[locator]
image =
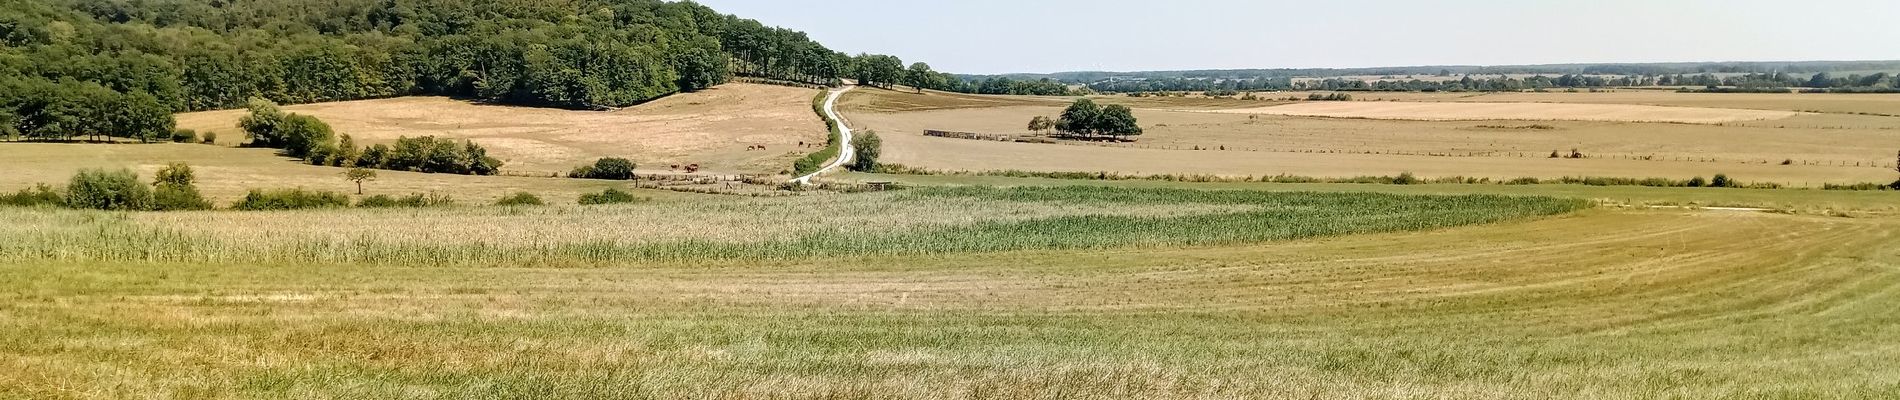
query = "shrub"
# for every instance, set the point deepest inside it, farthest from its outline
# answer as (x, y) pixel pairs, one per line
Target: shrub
(290, 199)
(866, 148)
(521, 199)
(211, 138)
(1721, 181)
(40, 195)
(1405, 178)
(1698, 182)
(605, 168)
(184, 136)
(108, 190)
(609, 196)
(1524, 181)
(410, 201)
(175, 189)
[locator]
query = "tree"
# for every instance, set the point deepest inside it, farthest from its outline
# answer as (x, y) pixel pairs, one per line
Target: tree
(700, 69)
(141, 116)
(175, 189)
(921, 77)
(879, 70)
(1080, 117)
(1041, 124)
(606, 168)
(359, 175)
(866, 149)
(108, 190)
(299, 134)
(1117, 120)
(260, 126)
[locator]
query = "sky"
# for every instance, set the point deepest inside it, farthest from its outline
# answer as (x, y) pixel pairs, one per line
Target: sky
(1010, 36)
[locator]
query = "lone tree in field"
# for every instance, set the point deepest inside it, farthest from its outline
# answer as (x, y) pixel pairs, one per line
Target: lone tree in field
(1086, 118)
(865, 150)
(1041, 124)
(359, 175)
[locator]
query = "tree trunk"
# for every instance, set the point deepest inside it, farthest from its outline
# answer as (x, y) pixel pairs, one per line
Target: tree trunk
(359, 188)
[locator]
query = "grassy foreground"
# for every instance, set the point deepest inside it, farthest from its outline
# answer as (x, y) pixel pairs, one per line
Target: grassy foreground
(920, 221)
(1604, 304)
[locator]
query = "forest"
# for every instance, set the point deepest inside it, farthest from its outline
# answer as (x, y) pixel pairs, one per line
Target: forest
(73, 69)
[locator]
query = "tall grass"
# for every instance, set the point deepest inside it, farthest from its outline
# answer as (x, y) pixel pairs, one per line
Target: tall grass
(1075, 218)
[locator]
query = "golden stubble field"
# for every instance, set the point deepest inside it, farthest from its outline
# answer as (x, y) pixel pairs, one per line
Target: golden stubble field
(1821, 148)
(713, 128)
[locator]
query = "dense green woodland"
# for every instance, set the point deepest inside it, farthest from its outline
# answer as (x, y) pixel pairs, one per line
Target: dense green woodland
(86, 68)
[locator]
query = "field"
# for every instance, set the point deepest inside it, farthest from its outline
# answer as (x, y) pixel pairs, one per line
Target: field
(1469, 111)
(713, 128)
(1603, 303)
(1187, 138)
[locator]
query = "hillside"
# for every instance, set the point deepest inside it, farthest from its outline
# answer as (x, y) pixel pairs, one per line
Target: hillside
(715, 128)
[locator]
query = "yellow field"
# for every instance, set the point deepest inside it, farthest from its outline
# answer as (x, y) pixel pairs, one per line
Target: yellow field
(1471, 111)
(1820, 148)
(712, 128)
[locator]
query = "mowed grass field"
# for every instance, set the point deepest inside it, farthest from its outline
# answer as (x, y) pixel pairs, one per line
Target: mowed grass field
(1820, 148)
(1604, 303)
(713, 128)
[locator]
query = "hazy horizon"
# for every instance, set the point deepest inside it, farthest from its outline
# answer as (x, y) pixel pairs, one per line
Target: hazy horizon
(1020, 37)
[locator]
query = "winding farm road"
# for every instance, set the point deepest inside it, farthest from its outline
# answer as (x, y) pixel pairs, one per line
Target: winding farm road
(844, 137)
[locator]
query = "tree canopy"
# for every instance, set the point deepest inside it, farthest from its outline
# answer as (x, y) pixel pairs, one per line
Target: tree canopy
(89, 68)
(1086, 118)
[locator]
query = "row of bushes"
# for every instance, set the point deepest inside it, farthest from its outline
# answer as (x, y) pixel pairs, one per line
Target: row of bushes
(606, 168)
(173, 190)
(191, 136)
(1719, 181)
(816, 160)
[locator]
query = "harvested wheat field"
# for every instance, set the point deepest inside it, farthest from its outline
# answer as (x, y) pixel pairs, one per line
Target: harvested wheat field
(1816, 148)
(1472, 111)
(713, 128)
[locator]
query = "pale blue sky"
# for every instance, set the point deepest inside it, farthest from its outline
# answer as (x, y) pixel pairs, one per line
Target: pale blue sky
(1001, 36)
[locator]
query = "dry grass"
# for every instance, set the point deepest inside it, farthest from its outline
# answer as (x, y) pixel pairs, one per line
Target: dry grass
(712, 128)
(1824, 147)
(225, 174)
(1472, 111)
(1829, 103)
(1606, 305)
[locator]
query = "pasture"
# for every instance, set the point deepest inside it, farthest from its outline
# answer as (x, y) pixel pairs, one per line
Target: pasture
(1604, 303)
(715, 128)
(1194, 139)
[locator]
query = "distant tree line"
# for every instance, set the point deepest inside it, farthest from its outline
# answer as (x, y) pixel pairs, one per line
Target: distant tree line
(1878, 82)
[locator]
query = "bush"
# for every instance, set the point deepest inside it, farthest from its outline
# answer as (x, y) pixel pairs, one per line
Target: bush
(175, 189)
(610, 196)
(211, 138)
(290, 199)
(40, 195)
(867, 148)
(606, 168)
(1697, 182)
(108, 190)
(521, 199)
(184, 136)
(1721, 181)
(410, 201)
(1405, 178)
